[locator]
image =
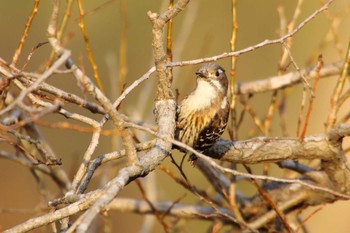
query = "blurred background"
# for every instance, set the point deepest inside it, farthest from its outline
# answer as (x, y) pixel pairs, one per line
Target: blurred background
(203, 29)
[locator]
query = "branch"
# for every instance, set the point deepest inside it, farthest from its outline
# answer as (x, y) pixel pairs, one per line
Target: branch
(256, 46)
(250, 87)
(165, 118)
(273, 149)
(168, 208)
(327, 148)
(288, 79)
(226, 146)
(64, 56)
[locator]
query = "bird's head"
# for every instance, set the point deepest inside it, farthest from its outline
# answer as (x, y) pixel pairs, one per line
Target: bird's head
(215, 75)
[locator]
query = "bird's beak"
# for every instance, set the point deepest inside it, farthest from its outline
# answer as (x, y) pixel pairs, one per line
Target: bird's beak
(200, 74)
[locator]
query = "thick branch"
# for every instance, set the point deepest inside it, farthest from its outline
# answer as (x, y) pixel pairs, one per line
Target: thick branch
(268, 149)
(327, 148)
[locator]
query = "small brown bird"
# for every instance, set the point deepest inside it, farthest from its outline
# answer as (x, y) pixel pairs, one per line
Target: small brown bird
(202, 116)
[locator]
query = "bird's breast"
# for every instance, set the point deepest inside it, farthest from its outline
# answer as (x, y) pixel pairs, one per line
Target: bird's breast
(192, 121)
(201, 98)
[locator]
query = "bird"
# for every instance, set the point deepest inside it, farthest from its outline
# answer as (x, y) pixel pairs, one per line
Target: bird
(201, 117)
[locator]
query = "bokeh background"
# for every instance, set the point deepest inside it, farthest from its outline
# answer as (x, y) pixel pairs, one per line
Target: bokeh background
(202, 30)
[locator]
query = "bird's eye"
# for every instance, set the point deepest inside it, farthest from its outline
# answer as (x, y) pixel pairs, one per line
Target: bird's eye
(218, 72)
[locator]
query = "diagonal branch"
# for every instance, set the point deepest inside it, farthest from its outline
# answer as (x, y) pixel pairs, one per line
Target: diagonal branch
(165, 118)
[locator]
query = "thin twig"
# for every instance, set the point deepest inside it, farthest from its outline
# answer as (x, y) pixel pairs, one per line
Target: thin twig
(248, 108)
(133, 86)
(169, 49)
(269, 114)
(153, 208)
(297, 67)
(123, 46)
(267, 217)
(233, 131)
(270, 202)
(88, 48)
(31, 54)
(61, 60)
(62, 28)
(307, 219)
(301, 112)
(338, 91)
(83, 168)
(318, 68)
(289, 27)
(25, 33)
